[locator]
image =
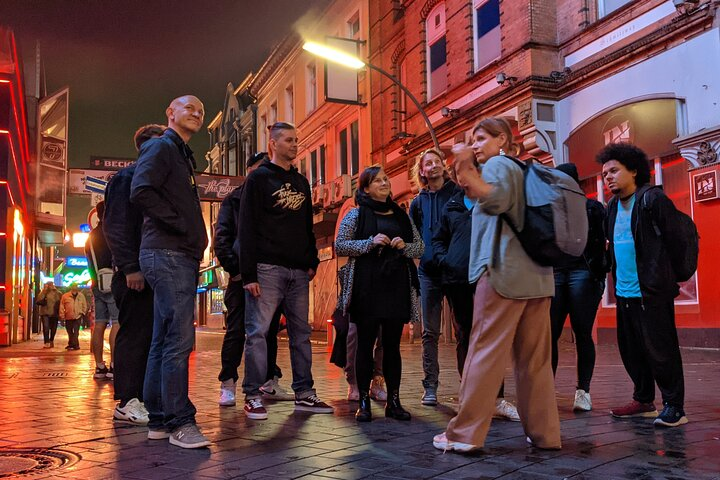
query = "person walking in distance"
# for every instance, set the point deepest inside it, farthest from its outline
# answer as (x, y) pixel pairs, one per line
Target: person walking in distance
(106, 311)
(278, 259)
(48, 302)
(227, 251)
(511, 316)
(173, 241)
(579, 285)
(73, 306)
(638, 225)
(133, 296)
(436, 189)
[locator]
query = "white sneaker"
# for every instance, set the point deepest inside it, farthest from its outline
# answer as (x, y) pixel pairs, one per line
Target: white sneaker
(583, 402)
(133, 412)
(273, 391)
(353, 393)
(506, 410)
(227, 393)
(377, 389)
(441, 442)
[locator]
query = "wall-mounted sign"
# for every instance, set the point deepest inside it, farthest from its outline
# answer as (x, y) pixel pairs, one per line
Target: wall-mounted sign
(75, 275)
(76, 262)
(705, 185)
(325, 254)
(110, 163)
(85, 182)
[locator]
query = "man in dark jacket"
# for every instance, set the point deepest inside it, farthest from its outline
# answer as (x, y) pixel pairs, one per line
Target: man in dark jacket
(436, 189)
(173, 241)
(278, 259)
(227, 251)
(579, 285)
(645, 285)
(106, 311)
(133, 296)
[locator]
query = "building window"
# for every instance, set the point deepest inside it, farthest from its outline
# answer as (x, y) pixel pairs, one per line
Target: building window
(273, 113)
(263, 133)
(606, 7)
(349, 149)
(487, 32)
(311, 86)
(303, 166)
(436, 52)
(315, 169)
(290, 104)
(353, 26)
(400, 112)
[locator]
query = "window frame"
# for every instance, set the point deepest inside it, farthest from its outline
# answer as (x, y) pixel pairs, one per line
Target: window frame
(348, 151)
(477, 5)
(434, 34)
(311, 86)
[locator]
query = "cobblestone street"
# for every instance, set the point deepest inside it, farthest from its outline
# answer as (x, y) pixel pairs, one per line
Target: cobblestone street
(56, 421)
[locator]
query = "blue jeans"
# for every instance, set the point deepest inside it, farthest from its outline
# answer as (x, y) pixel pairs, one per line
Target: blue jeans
(288, 289)
(431, 297)
(173, 277)
(577, 294)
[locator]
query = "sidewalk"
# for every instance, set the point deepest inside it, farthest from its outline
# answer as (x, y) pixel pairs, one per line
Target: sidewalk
(56, 420)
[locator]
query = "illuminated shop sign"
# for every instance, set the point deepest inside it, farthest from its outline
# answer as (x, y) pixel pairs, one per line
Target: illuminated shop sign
(76, 261)
(80, 276)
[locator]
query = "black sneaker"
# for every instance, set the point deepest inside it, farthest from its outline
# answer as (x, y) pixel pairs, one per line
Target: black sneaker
(312, 404)
(101, 372)
(671, 416)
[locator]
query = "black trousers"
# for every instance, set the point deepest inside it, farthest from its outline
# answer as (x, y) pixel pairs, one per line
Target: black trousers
(73, 330)
(460, 297)
(234, 340)
(648, 344)
(390, 335)
(132, 343)
(49, 327)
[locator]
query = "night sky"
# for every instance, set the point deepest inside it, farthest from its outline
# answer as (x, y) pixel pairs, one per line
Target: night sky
(124, 60)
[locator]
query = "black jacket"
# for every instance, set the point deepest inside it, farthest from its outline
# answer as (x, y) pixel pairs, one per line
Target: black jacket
(425, 212)
(595, 257)
(101, 249)
(164, 189)
(451, 241)
(275, 224)
(122, 223)
(652, 206)
(226, 243)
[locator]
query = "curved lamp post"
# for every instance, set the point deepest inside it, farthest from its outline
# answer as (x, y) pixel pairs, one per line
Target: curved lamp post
(351, 61)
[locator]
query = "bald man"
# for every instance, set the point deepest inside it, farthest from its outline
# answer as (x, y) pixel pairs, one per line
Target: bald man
(173, 241)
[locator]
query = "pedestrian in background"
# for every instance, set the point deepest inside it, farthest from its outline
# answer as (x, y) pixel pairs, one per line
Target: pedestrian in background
(579, 285)
(48, 302)
(105, 309)
(73, 307)
(381, 241)
(511, 316)
(133, 296)
(451, 247)
(639, 228)
(436, 189)
(173, 243)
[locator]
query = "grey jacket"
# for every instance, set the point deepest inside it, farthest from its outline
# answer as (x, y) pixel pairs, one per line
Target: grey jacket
(494, 248)
(347, 246)
(48, 302)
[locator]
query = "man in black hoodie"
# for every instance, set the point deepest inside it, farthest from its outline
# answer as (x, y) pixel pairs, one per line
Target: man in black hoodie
(173, 242)
(436, 189)
(645, 285)
(278, 258)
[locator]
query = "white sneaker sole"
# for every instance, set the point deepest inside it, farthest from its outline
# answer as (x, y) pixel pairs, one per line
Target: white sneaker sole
(131, 420)
(661, 423)
(256, 416)
(303, 408)
(201, 444)
(227, 403)
(158, 435)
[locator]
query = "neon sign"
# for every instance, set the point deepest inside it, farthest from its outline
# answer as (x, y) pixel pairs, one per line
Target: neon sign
(82, 278)
(76, 261)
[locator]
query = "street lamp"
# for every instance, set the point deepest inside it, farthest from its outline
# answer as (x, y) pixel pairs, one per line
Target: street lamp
(351, 61)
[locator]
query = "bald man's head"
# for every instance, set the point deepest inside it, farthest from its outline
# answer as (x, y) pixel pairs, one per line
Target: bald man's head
(185, 115)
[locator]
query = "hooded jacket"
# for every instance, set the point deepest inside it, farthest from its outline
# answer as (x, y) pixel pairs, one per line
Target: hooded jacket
(275, 224)
(226, 243)
(425, 212)
(655, 272)
(451, 241)
(123, 222)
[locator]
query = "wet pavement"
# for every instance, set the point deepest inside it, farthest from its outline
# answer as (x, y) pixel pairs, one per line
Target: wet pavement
(56, 422)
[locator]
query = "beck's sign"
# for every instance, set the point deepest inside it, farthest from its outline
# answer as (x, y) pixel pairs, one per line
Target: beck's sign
(110, 163)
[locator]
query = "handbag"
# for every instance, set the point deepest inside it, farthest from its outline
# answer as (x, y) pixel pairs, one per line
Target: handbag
(104, 275)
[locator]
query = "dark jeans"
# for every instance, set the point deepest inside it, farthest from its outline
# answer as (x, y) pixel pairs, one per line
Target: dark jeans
(234, 339)
(390, 335)
(648, 344)
(461, 299)
(73, 330)
(173, 277)
(578, 294)
(286, 289)
(132, 343)
(49, 327)
(431, 296)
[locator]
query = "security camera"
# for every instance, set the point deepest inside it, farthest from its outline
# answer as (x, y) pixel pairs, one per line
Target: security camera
(502, 77)
(448, 112)
(686, 6)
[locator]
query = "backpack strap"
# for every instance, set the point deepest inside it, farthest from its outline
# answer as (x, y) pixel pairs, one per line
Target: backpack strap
(504, 216)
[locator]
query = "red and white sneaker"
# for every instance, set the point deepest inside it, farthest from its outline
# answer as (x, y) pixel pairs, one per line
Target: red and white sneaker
(636, 409)
(254, 409)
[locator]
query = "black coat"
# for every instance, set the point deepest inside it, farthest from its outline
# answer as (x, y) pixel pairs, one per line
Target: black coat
(451, 241)
(655, 272)
(122, 223)
(226, 243)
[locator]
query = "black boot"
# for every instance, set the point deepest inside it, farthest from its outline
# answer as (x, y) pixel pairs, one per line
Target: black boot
(363, 413)
(393, 409)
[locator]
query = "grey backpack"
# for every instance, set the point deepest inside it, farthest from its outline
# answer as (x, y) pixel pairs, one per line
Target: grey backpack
(556, 223)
